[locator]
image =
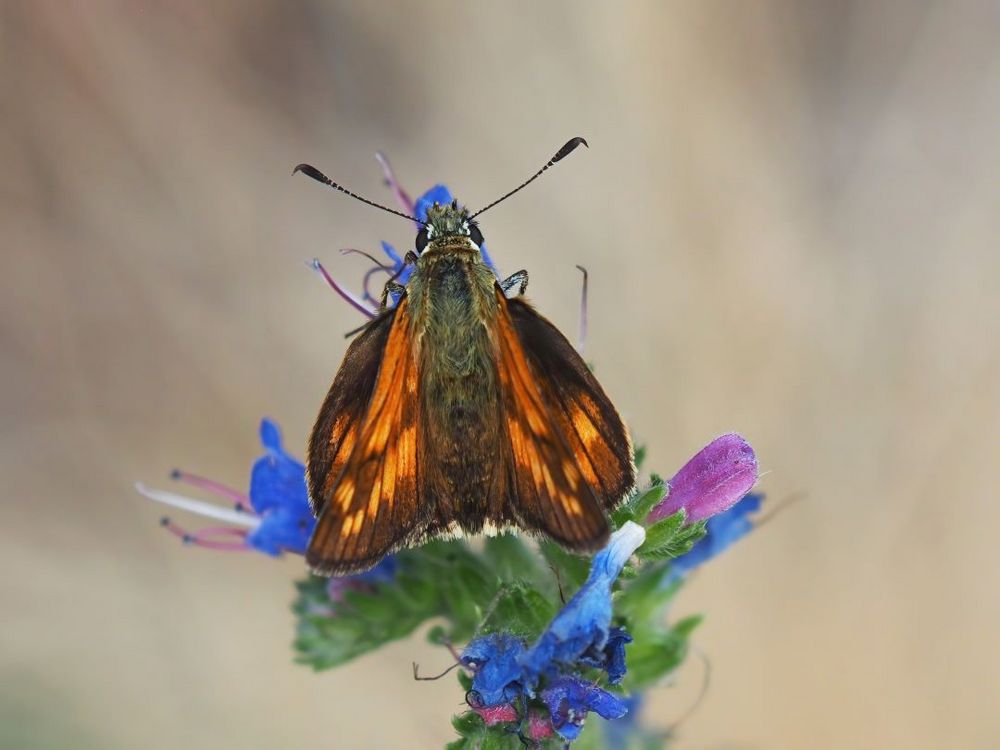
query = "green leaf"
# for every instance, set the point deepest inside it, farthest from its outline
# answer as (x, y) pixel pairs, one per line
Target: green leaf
(656, 652)
(638, 505)
(475, 735)
(686, 539)
(648, 500)
(440, 579)
(670, 537)
(639, 456)
(645, 595)
(511, 559)
(659, 535)
(571, 570)
(519, 609)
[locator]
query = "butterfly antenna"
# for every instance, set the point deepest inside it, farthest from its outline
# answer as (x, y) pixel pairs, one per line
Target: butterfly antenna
(311, 171)
(560, 155)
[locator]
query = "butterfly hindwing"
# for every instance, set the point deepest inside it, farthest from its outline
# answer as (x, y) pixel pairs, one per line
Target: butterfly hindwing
(363, 476)
(554, 412)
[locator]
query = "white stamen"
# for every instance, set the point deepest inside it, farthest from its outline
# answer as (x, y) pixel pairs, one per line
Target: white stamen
(200, 507)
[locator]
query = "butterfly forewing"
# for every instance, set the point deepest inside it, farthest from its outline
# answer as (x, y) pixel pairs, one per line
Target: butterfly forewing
(586, 418)
(336, 430)
(569, 453)
(363, 452)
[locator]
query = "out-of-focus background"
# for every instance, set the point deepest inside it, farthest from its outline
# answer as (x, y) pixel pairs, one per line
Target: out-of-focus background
(790, 216)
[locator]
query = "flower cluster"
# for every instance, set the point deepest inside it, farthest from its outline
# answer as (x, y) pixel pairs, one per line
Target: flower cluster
(532, 672)
(504, 668)
(550, 686)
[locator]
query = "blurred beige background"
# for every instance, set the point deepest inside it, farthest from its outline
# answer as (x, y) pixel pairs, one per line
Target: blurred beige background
(790, 216)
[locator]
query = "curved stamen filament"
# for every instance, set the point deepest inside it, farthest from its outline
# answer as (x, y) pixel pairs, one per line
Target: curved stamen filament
(402, 197)
(240, 499)
(582, 340)
(206, 537)
(351, 299)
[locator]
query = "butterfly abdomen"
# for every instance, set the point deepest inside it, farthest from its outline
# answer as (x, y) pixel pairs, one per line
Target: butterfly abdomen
(453, 301)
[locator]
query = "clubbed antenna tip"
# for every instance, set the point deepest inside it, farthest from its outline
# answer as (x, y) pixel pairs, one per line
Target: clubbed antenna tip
(561, 154)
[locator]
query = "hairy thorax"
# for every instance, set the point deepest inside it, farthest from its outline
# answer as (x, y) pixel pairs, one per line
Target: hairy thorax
(453, 304)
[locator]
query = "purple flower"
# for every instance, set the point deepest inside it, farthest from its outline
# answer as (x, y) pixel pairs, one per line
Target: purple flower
(711, 482)
(570, 699)
(582, 627)
(721, 531)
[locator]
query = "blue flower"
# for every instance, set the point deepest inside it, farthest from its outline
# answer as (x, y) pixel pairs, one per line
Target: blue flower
(279, 496)
(579, 636)
(582, 627)
(721, 531)
(611, 658)
(437, 194)
(570, 699)
(496, 672)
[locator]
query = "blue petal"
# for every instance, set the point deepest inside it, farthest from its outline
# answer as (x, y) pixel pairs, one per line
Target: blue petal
(612, 657)
(396, 258)
(282, 530)
(437, 194)
(721, 531)
(583, 623)
(496, 673)
(570, 699)
(279, 496)
(270, 434)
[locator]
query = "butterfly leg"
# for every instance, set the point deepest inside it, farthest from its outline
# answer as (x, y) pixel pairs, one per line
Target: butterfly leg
(391, 287)
(394, 287)
(519, 279)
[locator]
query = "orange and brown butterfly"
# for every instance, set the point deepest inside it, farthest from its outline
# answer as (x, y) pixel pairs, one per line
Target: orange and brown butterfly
(460, 408)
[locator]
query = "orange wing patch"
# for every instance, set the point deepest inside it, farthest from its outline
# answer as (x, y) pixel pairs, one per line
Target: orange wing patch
(550, 490)
(373, 500)
(583, 415)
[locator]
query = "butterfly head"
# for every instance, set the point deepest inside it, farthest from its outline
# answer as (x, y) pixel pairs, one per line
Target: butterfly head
(448, 224)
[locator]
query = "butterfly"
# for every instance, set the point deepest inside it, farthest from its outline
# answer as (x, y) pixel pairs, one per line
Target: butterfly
(460, 409)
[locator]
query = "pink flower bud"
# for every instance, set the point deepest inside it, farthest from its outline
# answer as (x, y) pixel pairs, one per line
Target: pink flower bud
(503, 713)
(713, 480)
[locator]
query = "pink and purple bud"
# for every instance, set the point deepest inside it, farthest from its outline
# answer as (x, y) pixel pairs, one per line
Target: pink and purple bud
(714, 480)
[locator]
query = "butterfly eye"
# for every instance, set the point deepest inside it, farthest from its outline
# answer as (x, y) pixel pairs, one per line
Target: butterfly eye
(421, 240)
(475, 235)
